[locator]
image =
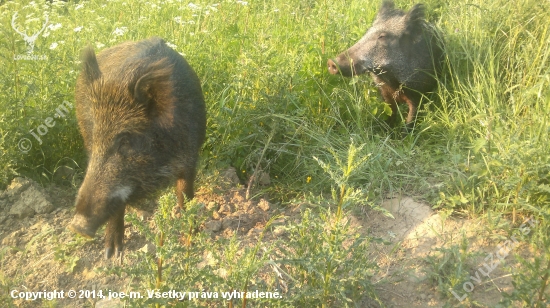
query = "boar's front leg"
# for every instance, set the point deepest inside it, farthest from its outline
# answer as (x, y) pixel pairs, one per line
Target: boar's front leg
(114, 234)
(388, 93)
(184, 187)
(411, 116)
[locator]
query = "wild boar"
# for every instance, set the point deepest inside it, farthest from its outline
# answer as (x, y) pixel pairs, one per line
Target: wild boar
(141, 113)
(402, 54)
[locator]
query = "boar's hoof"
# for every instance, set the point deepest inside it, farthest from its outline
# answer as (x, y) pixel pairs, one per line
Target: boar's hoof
(109, 253)
(82, 231)
(332, 67)
(407, 129)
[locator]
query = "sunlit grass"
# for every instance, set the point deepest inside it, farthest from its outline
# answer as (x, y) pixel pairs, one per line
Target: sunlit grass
(481, 143)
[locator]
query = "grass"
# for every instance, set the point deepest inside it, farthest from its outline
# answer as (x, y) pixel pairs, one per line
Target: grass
(480, 146)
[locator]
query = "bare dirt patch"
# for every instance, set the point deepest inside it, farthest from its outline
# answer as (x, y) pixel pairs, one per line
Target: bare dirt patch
(40, 254)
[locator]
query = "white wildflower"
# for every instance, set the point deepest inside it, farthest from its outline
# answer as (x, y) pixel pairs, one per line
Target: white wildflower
(193, 6)
(242, 3)
(78, 7)
(59, 3)
(54, 27)
(78, 29)
(99, 45)
(120, 31)
(53, 45)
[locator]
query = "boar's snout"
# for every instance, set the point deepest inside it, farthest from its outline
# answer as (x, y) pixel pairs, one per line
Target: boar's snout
(342, 65)
(82, 226)
(332, 67)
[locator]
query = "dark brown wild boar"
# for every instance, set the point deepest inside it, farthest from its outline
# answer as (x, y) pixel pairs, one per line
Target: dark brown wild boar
(402, 55)
(141, 112)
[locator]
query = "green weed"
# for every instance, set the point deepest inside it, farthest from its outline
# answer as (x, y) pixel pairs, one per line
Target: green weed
(448, 268)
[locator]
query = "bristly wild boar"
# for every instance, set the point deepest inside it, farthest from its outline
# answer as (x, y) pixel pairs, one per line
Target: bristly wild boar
(141, 112)
(401, 53)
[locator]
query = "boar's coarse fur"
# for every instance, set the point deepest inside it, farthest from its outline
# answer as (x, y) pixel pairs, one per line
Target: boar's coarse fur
(401, 53)
(141, 112)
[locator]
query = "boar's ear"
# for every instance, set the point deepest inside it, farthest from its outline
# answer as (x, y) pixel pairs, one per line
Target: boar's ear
(153, 89)
(386, 9)
(90, 68)
(414, 19)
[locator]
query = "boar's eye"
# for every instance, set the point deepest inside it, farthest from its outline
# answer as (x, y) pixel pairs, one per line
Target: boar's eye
(382, 36)
(129, 144)
(124, 144)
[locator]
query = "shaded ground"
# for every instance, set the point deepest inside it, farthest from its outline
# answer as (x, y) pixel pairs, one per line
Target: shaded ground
(40, 254)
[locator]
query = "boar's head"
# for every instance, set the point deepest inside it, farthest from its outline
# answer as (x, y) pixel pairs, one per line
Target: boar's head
(388, 46)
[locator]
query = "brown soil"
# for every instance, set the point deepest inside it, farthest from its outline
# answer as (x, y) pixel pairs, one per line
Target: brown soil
(34, 246)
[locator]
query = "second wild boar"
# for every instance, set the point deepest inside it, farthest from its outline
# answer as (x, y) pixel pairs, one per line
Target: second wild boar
(401, 53)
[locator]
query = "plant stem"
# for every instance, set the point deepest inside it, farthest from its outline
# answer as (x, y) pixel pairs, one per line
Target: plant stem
(341, 201)
(159, 261)
(159, 264)
(188, 246)
(544, 282)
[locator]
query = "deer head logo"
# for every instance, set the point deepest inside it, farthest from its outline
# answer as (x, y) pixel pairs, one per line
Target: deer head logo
(28, 39)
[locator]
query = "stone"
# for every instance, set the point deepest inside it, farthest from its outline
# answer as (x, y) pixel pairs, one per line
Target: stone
(149, 249)
(16, 186)
(212, 206)
(264, 205)
(230, 177)
(264, 179)
(224, 208)
(32, 200)
(213, 226)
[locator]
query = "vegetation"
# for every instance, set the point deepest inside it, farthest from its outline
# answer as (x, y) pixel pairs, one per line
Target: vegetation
(479, 149)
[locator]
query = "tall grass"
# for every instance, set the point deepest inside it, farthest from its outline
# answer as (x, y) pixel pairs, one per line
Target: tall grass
(263, 71)
(500, 74)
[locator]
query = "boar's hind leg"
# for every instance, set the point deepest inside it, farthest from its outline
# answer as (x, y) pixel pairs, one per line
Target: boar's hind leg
(184, 187)
(114, 234)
